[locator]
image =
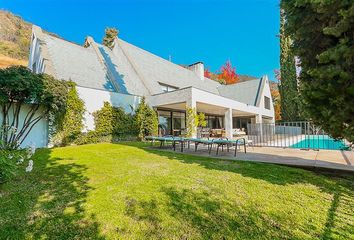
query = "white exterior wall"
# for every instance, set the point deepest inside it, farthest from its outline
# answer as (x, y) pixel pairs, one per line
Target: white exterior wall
(266, 93)
(39, 133)
(94, 100)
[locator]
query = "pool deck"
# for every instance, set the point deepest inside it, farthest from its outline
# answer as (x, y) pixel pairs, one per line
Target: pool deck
(328, 159)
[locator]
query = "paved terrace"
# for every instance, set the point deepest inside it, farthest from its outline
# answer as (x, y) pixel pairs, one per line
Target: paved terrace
(329, 159)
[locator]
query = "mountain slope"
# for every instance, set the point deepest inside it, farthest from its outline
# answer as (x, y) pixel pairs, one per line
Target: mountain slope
(15, 35)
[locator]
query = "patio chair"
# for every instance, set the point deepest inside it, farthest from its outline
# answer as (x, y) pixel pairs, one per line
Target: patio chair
(229, 143)
(197, 141)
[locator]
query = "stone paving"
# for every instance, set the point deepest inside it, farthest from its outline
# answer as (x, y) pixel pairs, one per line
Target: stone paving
(330, 159)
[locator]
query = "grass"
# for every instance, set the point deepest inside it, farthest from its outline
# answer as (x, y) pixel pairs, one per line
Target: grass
(6, 61)
(126, 191)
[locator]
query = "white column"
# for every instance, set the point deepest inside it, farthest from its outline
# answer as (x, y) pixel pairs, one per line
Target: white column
(191, 103)
(259, 120)
(228, 123)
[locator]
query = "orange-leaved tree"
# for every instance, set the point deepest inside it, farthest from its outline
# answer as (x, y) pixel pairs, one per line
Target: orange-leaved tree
(227, 73)
(207, 73)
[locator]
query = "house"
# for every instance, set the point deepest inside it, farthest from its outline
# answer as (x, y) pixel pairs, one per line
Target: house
(126, 73)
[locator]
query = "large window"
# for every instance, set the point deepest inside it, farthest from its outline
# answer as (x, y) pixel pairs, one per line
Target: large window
(214, 122)
(178, 122)
(266, 102)
(167, 88)
(240, 122)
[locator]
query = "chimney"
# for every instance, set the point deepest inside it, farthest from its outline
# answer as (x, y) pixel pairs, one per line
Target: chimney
(197, 68)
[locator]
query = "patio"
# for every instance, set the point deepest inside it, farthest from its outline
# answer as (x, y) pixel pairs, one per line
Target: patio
(328, 159)
(223, 115)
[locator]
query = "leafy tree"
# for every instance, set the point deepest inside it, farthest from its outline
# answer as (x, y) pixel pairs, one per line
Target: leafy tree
(207, 73)
(288, 85)
(35, 95)
(70, 123)
(322, 34)
(110, 35)
(146, 120)
(228, 73)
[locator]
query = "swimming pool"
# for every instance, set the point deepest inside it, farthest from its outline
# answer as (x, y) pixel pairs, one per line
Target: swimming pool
(320, 142)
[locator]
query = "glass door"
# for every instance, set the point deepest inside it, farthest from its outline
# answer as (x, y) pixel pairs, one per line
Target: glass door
(164, 123)
(178, 123)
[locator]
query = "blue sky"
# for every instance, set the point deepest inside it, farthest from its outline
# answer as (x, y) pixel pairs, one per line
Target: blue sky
(211, 31)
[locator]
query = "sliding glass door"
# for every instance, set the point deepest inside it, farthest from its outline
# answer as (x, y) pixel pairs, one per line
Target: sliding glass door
(164, 123)
(171, 122)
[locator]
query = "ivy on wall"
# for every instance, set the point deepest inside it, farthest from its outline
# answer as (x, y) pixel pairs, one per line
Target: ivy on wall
(194, 120)
(36, 96)
(70, 124)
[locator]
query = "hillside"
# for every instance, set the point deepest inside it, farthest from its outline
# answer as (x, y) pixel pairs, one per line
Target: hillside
(15, 35)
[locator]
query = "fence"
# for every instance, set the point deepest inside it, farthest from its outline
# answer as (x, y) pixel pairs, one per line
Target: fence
(304, 135)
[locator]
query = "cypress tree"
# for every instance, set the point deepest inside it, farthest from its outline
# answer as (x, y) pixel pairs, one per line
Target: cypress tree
(323, 39)
(288, 87)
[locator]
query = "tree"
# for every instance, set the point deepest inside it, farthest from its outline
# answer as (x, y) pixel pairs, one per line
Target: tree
(322, 34)
(110, 35)
(288, 86)
(207, 73)
(228, 74)
(274, 90)
(146, 120)
(37, 96)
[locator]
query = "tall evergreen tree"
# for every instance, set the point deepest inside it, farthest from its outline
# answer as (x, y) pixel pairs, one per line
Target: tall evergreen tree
(288, 87)
(323, 35)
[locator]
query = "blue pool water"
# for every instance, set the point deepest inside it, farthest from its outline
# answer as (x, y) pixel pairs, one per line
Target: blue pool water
(320, 142)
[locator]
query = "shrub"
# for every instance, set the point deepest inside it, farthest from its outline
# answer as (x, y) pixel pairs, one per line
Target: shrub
(146, 120)
(7, 167)
(92, 137)
(11, 161)
(114, 121)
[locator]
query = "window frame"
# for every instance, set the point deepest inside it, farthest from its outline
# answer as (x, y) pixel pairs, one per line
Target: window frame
(169, 88)
(266, 102)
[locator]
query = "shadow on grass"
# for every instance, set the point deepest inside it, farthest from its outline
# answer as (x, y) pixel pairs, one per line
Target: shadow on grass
(201, 217)
(191, 207)
(47, 203)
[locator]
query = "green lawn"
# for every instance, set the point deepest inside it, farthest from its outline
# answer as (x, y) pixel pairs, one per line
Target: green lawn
(125, 191)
